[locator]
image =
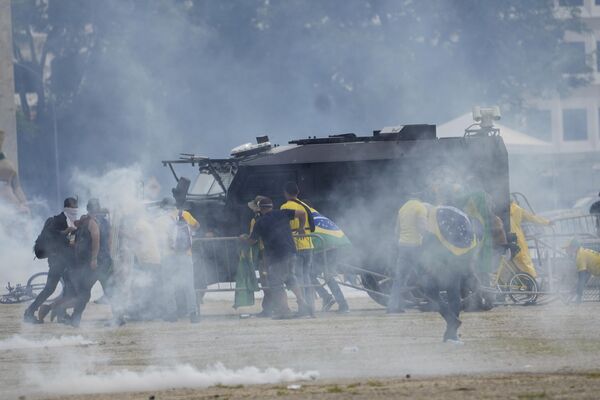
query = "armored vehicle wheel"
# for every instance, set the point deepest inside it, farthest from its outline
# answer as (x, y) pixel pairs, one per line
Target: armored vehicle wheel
(378, 287)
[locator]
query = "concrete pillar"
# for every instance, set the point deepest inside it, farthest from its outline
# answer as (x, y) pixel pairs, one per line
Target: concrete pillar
(8, 122)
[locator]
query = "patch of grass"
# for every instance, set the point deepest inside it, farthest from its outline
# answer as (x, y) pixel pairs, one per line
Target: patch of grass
(531, 396)
(593, 375)
(353, 385)
(282, 392)
(335, 389)
(374, 383)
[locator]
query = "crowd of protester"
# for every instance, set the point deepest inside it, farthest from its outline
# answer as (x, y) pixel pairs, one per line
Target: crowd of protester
(143, 259)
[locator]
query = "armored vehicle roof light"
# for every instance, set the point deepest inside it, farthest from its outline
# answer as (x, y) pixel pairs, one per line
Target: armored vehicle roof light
(248, 149)
(486, 116)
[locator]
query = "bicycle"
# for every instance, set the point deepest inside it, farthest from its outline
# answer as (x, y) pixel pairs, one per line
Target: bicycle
(519, 286)
(29, 291)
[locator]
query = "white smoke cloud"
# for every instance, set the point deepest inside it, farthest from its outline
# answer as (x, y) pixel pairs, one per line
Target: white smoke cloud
(160, 378)
(18, 232)
(120, 188)
(18, 342)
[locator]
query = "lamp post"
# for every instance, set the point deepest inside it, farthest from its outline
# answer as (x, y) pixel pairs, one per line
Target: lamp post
(39, 76)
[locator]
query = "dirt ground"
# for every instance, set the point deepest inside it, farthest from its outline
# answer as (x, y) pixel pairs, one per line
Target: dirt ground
(550, 351)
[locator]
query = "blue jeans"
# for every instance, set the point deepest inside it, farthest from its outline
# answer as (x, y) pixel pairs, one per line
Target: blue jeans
(406, 259)
(303, 272)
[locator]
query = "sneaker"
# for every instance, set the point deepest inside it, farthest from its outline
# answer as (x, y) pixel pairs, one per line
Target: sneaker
(328, 303)
(194, 318)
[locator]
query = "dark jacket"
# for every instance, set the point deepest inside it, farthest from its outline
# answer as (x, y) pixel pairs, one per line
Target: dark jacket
(61, 254)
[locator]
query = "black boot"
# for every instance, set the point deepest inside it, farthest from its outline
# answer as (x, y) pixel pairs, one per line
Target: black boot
(451, 334)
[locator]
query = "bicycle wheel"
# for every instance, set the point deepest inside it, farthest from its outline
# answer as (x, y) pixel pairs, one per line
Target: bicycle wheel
(523, 289)
(37, 282)
(9, 298)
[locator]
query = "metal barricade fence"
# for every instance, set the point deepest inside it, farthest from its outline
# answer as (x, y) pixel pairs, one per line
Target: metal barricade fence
(583, 226)
(216, 261)
(547, 246)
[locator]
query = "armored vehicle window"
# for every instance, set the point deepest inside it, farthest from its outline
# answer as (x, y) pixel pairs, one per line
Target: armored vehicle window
(207, 185)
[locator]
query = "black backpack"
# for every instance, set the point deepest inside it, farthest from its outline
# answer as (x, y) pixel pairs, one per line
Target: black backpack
(43, 243)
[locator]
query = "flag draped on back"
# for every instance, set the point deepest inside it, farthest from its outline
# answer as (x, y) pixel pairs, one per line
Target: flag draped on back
(332, 235)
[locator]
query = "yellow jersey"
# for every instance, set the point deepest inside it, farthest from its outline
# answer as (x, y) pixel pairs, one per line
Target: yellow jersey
(588, 260)
(410, 223)
(304, 243)
(191, 221)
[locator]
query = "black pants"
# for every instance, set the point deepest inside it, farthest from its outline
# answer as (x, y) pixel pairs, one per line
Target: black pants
(267, 303)
(54, 276)
(83, 279)
(449, 308)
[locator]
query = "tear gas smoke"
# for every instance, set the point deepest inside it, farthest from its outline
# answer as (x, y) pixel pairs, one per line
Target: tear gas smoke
(19, 342)
(17, 235)
(159, 378)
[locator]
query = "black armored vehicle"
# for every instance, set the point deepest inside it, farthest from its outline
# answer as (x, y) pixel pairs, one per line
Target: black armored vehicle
(359, 182)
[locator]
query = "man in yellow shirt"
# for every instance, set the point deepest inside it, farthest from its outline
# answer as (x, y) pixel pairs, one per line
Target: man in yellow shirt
(411, 224)
(179, 225)
(587, 262)
(304, 245)
(517, 216)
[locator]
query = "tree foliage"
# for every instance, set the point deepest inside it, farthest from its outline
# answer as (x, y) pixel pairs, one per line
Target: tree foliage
(133, 79)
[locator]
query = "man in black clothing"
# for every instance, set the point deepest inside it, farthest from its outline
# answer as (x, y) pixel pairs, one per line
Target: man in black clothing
(273, 228)
(60, 256)
(84, 274)
(104, 271)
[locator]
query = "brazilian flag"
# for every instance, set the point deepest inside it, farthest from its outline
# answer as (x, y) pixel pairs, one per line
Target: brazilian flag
(333, 237)
(245, 278)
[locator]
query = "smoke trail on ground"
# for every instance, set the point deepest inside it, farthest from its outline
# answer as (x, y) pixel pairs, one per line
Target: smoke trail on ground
(158, 378)
(18, 342)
